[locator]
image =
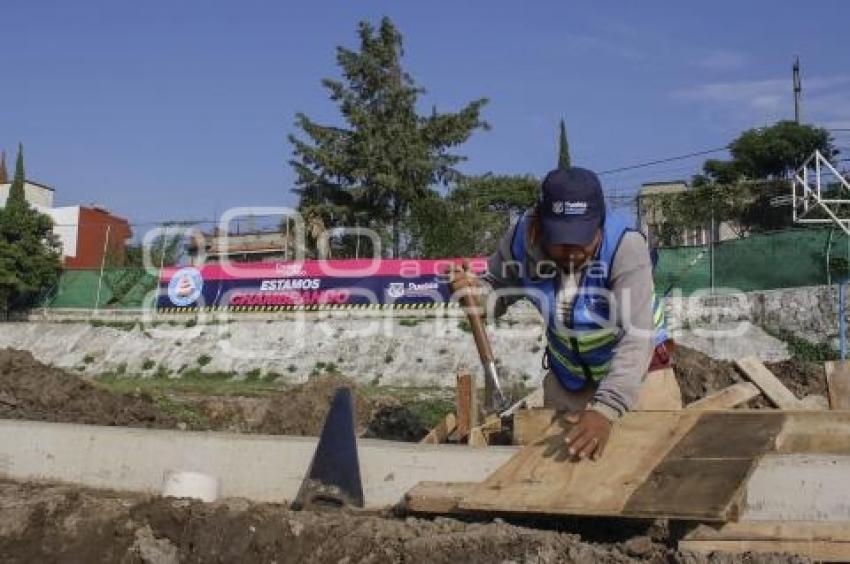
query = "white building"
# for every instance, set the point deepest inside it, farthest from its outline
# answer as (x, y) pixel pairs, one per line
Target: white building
(36, 194)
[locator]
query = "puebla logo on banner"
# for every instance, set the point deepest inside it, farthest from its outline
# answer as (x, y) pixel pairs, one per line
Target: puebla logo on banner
(185, 287)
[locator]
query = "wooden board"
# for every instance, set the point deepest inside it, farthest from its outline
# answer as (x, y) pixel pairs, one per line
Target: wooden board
(686, 465)
(660, 392)
(773, 530)
(775, 390)
(530, 424)
(838, 382)
(727, 398)
(441, 432)
(815, 432)
(821, 551)
(436, 498)
(540, 479)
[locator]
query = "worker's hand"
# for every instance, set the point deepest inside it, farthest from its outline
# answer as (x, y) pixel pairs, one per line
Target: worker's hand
(589, 435)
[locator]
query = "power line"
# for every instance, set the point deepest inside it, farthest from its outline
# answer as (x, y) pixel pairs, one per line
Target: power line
(662, 161)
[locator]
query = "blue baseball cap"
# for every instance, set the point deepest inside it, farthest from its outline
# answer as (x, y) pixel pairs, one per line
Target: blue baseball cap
(572, 207)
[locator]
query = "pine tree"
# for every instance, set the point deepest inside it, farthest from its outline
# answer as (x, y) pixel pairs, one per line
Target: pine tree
(386, 156)
(29, 252)
(563, 148)
(4, 174)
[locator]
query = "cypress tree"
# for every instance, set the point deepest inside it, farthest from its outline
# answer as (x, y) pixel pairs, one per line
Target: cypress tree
(563, 148)
(4, 174)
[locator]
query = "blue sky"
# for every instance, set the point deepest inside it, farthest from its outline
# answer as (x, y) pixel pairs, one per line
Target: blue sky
(180, 109)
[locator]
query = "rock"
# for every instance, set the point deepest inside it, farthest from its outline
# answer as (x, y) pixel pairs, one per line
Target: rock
(638, 546)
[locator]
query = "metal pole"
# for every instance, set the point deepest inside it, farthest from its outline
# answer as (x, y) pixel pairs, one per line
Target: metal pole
(102, 264)
(711, 245)
(842, 329)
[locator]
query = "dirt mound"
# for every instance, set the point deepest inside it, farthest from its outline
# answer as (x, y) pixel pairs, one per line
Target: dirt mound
(301, 409)
(50, 523)
(699, 375)
(393, 421)
(32, 390)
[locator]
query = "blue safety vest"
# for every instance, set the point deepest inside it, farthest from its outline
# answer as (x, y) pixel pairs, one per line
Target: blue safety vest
(580, 349)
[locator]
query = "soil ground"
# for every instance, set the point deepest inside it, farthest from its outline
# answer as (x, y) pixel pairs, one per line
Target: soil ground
(61, 523)
(32, 390)
(699, 375)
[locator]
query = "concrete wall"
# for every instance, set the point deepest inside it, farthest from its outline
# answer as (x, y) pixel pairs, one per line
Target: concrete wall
(257, 467)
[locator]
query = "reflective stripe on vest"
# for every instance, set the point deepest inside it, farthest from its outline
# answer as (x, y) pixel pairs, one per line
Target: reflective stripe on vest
(585, 349)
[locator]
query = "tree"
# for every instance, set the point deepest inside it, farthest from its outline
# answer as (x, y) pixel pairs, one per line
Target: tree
(742, 191)
(29, 252)
(385, 156)
(4, 174)
(471, 219)
(769, 152)
(563, 148)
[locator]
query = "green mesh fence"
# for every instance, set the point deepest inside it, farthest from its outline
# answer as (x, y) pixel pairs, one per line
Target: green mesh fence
(122, 288)
(782, 259)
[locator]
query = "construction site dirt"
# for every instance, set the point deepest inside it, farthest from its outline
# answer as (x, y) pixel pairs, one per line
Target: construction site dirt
(34, 391)
(60, 523)
(47, 522)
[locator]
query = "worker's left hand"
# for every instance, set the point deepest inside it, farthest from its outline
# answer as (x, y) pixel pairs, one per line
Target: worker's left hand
(589, 435)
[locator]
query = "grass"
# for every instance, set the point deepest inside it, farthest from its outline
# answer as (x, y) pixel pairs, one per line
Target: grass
(430, 404)
(120, 325)
(802, 349)
(192, 415)
(191, 381)
(410, 321)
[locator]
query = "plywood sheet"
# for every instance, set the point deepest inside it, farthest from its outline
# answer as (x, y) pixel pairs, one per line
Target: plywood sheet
(687, 464)
(541, 479)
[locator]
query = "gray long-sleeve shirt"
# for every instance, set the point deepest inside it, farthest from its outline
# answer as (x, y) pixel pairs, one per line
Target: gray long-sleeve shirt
(632, 296)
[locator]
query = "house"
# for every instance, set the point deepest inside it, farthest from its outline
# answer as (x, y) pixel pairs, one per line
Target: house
(85, 233)
(652, 222)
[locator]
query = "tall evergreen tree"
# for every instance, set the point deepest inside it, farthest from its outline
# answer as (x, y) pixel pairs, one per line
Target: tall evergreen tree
(563, 148)
(29, 252)
(4, 174)
(386, 155)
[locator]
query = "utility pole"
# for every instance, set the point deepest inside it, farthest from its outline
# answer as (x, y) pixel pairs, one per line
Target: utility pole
(798, 89)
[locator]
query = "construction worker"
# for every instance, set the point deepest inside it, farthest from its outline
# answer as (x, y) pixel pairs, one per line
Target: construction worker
(588, 272)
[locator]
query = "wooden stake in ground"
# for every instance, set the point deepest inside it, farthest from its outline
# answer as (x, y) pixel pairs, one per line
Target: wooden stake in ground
(775, 390)
(838, 382)
(467, 404)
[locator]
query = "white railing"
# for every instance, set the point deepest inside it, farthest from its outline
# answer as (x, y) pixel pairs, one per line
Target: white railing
(807, 193)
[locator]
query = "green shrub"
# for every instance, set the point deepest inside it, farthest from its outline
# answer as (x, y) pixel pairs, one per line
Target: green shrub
(204, 359)
(148, 364)
(88, 359)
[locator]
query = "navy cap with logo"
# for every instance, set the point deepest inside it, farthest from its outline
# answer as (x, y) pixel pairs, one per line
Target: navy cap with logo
(572, 206)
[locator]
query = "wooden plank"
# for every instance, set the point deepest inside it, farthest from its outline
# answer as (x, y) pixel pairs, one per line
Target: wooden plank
(540, 479)
(703, 476)
(821, 551)
(727, 398)
(477, 437)
(530, 424)
(688, 465)
(441, 432)
(436, 498)
(660, 392)
(838, 383)
(759, 375)
(773, 530)
(815, 432)
(466, 405)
